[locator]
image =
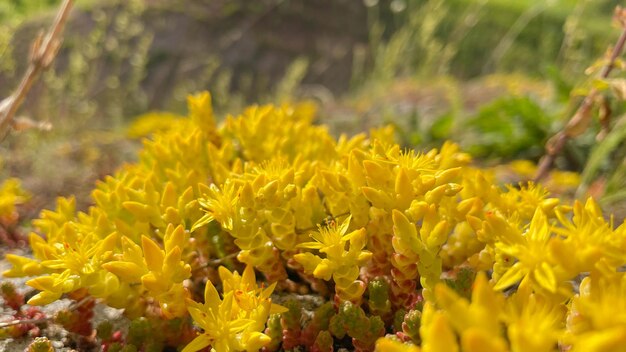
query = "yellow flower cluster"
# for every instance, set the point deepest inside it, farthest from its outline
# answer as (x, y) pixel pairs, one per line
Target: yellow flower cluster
(287, 199)
(154, 201)
(548, 310)
(133, 245)
(160, 272)
(234, 322)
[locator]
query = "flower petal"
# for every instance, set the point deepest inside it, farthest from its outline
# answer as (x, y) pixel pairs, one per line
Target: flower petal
(511, 277)
(545, 277)
(197, 344)
(153, 254)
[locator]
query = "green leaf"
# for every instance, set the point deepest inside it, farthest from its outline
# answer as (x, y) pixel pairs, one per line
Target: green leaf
(442, 127)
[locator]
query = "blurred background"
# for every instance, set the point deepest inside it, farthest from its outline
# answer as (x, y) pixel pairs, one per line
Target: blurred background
(497, 76)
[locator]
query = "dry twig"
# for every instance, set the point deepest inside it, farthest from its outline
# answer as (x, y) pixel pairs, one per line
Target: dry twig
(581, 119)
(71, 308)
(44, 50)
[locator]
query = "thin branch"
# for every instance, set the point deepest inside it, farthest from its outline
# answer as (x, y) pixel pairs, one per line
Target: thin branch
(581, 119)
(25, 321)
(44, 50)
(72, 307)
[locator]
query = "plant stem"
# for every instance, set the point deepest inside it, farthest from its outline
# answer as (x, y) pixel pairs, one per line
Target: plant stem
(579, 122)
(72, 307)
(44, 50)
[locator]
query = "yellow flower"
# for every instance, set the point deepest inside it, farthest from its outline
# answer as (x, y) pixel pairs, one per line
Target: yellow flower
(248, 295)
(524, 168)
(11, 194)
(476, 322)
(436, 332)
(222, 330)
(161, 272)
(564, 179)
(597, 317)
(589, 236)
(72, 265)
(522, 201)
(52, 287)
(332, 239)
(220, 205)
(531, 250)
(340, 263)
(234, 324)
(482, 312)
(146, 124)
(534, 322)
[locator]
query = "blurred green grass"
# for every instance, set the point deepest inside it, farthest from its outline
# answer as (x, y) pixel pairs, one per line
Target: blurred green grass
(564, 33)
